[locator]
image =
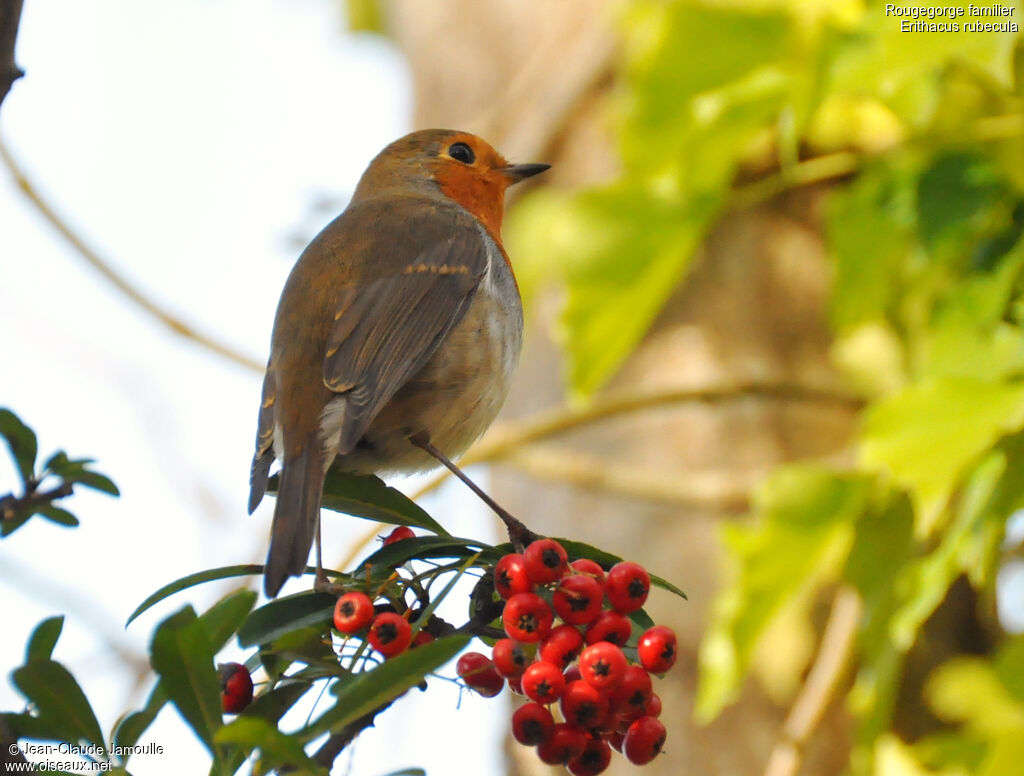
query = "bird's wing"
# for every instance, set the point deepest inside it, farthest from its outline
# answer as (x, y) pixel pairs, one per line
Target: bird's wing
(264, 456)
(385, 331)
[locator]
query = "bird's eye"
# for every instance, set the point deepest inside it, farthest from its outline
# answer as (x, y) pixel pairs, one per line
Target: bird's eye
(461, 152)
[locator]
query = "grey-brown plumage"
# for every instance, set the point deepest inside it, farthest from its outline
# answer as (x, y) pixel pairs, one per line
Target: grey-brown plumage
(401, 317)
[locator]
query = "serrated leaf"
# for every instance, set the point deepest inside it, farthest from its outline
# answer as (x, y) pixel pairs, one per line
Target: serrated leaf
(277, 750)
(210, 575)
(59, 701)
(371, 689)
(22, 442)
(44, 639)
(805, 516)
(182, 656)
(286, 614)
(929, 434)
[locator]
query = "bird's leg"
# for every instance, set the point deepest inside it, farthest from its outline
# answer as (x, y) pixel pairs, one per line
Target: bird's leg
(322, 584)
(518, 534)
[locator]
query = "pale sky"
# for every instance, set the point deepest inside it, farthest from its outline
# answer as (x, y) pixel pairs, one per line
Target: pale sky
(196, 145)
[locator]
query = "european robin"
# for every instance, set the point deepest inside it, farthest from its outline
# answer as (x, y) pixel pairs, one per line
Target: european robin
(401, 320)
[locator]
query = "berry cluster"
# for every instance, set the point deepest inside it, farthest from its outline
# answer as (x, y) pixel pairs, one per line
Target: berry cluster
(564, 647)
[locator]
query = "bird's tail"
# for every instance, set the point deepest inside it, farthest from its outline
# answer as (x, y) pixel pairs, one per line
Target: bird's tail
(296, 514)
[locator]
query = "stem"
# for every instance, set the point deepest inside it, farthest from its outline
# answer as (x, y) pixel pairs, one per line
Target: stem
(823, 683)
(175, 324)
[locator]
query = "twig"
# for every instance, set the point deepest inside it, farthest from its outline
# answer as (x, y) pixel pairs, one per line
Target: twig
(10, 16)
(830, 666)
(91, 257)
(10, 505)
(507, 437)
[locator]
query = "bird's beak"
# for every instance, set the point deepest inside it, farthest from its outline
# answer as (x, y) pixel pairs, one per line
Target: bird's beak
(517, 172)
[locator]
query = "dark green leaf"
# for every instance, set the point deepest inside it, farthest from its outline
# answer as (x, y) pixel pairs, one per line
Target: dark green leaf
(59, 701)
(181, 655)
(408, 772)
(57, 515)
(210, 575)
(220, 622)
(370, 498)
(606, 560)
(44, 639)
(276, 748)
(283, 615)
(642, 619)
(953, 195)
(22, 442)
(395, 554)
(372, 689)
(96, 481)
(274, 704)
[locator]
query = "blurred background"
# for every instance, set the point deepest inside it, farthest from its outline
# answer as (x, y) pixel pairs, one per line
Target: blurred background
(774, 341)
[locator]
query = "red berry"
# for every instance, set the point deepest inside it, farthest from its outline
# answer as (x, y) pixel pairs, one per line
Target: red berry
(479, 674)
(653, 706)
(397, 535)
(421, 638)
(510, 576)
(583, 706)
(532, 724)
(578, 598)
(627, 586)
(235, 687)
(603, 665)
(609, 626)
(389, 634)
(566, 743)
(543, 682)
(572, 673)
(643, 740)
(509, 658)
(633, 693)
(527, 617)
(590, 568)
(546, 561)
(353, 612)
(516, 685)
(593, 760)
(561, 646)
(657, 649)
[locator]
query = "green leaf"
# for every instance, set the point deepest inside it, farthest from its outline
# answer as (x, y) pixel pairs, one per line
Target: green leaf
(22, 442)
(44, 639)
(397, 553)
(276, 749)
(57, 515)
(286, 614)
(220, 622)
(370, 498)
(606, 560)
(956, 192)
(200, 577)
(804, 525)
(929, 434)
(365, 16)
(60, 704)
(97, 481)
(371, 689)
(182, 656)
(631, 248)
(273, 705)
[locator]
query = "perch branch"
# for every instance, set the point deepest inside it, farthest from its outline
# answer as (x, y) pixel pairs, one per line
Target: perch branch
(830, 667)
(102, 266)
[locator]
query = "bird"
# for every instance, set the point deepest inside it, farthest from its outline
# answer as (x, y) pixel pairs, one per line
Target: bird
(396, 335)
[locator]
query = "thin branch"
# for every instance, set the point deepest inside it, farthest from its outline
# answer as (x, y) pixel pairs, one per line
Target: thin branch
(94, 260)
(10, 17)
(505, 438)
(823, 683)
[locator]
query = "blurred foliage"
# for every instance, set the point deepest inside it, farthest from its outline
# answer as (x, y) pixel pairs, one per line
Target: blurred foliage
(41, 489)
(927, 309)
